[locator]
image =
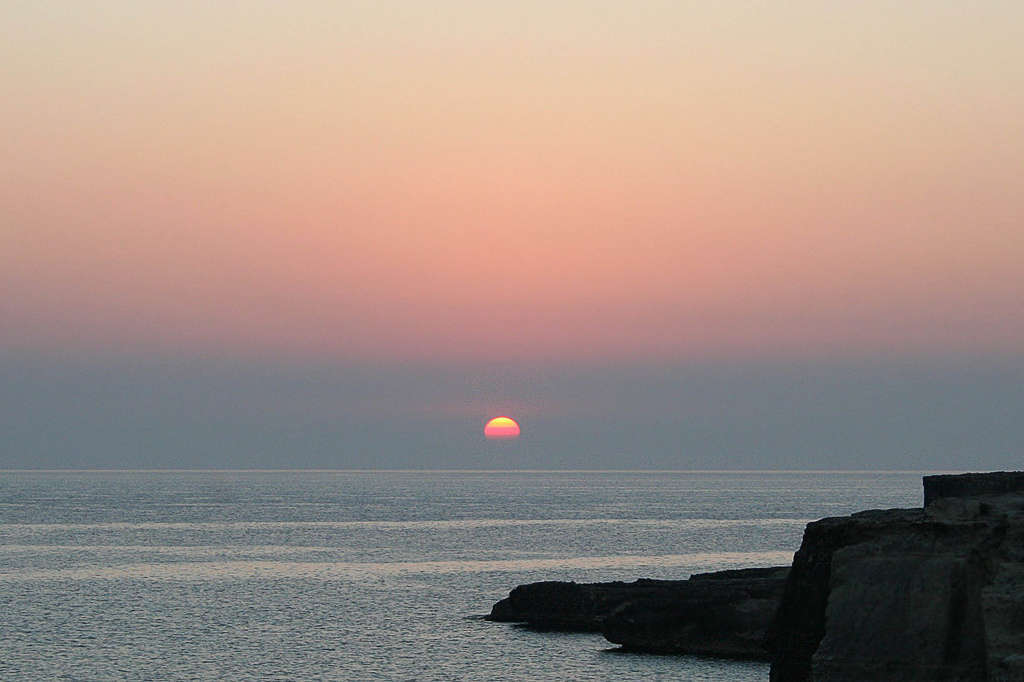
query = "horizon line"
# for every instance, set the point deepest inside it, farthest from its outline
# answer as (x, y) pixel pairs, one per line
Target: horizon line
(491, 471)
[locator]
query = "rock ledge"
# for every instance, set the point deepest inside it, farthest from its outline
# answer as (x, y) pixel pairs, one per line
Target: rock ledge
(725, 614)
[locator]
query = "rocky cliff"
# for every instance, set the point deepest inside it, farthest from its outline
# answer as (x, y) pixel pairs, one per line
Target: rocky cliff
(718, 614)
(935, 593)
(724, 614)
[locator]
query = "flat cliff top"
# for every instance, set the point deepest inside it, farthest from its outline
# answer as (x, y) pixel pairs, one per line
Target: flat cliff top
(972, 485)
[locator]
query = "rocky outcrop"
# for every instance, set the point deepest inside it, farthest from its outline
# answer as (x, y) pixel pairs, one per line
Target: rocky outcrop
(725, 614)
(910, 594)
(717, 614)
(576, 607)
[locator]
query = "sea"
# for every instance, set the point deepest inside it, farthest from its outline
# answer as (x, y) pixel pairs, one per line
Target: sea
(373, 575)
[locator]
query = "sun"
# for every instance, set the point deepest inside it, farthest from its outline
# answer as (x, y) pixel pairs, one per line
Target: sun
(501, 428)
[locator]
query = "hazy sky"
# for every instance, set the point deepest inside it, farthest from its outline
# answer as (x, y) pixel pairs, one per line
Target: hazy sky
(663, 233)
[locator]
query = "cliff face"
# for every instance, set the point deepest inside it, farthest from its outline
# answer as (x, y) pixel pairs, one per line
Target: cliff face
(716, 614)
(972, 485)
(918, 594)
(723, 614)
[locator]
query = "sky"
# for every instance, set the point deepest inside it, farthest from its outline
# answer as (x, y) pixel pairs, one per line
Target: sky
(660, 233)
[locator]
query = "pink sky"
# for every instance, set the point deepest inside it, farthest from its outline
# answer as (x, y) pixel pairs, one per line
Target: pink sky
(405, 180)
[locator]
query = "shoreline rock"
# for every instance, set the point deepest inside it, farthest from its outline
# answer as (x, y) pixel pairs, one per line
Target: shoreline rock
(725, 614)
(571, 606)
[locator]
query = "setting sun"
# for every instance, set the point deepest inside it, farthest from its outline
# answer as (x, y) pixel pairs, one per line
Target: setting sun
(501, 427)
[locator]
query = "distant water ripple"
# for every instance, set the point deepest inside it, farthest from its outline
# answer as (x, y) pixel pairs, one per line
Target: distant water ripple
(312, 570)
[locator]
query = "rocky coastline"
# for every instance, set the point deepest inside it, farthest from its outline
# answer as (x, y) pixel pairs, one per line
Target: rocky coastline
(725, 614)
(930, 593)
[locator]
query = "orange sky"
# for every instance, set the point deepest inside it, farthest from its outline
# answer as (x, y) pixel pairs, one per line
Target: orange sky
(407, 180)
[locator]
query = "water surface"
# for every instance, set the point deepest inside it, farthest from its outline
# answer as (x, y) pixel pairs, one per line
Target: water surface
(371, 575)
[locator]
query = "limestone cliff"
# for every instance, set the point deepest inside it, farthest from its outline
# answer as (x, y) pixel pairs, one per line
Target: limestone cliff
(910, 594)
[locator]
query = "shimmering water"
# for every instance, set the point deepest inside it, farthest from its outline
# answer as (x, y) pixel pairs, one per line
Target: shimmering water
(371, 575)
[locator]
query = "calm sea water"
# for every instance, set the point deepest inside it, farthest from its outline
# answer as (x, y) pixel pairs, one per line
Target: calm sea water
(371, 575)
